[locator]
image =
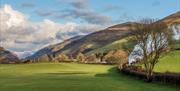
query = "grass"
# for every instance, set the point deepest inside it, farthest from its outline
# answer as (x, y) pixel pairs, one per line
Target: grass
(71, 77)
(112, 46)
(170, 62)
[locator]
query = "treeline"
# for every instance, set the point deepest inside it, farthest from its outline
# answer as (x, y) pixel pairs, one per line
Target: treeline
(111, 57)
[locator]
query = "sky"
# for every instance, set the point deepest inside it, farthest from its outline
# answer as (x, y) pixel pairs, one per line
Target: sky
(28, 25)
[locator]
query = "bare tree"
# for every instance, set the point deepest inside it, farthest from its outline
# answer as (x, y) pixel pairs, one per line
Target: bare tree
(153, 39)
(100, 56)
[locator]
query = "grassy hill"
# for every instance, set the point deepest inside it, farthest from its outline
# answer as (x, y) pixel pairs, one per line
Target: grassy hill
(122, 44)
(112, 46)
(71, 77)
(170, 62)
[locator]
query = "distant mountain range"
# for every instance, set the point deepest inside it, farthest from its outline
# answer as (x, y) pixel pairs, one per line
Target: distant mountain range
(7, 56)
(97, 40)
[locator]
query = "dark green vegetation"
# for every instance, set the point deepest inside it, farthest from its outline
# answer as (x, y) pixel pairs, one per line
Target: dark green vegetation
(71, 77)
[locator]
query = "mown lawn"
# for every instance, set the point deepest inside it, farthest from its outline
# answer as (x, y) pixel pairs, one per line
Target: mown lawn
(71, 77)
(169, 63)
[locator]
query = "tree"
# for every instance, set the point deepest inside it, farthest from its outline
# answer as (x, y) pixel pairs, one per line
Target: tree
(122, 57)
(108, 57)
(43, 58)
(153, 39)
(80, 57)
(100, 56)
(62, 58)
(117, 57)
(91, 59)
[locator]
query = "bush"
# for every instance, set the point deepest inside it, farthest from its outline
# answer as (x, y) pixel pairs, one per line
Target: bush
(80, 57)
(63, 58)
(117, 57)
(91, 59)
(43, 58)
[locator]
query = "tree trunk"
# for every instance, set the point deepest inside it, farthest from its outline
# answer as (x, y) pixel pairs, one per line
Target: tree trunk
(149, 76)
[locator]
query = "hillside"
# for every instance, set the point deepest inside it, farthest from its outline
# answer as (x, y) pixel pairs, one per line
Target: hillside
(95, 40)
(52, 49)
(172, 19)
(169, 63)
(85, 44)
(104, 40)
(7, 56)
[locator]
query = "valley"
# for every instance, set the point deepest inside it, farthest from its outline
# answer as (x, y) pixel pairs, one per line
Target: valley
(89, 45)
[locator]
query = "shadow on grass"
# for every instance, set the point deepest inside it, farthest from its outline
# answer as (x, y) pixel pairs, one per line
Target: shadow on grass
(112, 72)
(67, 73)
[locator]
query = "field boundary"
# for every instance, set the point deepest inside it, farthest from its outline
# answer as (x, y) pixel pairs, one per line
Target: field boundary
(165, 78)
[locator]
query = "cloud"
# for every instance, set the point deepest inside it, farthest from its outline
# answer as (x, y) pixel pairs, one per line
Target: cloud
(28, 5)
(87, 15)
(79, 3)
(156, 3)
(20, 35)
(81, 10)
(110, 7)
(23, 54)
(77, 10)
(45, 13)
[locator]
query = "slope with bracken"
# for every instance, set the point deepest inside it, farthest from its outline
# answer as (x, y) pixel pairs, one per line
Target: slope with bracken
(102, 39)
(52, 49)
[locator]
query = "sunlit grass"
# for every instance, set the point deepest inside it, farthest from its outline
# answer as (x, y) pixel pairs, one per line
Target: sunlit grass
(170, 62)
(71, 77)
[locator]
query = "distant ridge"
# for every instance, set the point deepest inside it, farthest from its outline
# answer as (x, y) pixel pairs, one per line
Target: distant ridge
(8, 57)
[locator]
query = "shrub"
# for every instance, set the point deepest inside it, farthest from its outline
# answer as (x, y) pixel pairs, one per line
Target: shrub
(91, 59)
(117, 57)
(80, 57)
(62, 58)
(43, 58)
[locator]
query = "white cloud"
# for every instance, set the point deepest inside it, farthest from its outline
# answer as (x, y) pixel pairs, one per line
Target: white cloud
(22, 36)
(176, 30)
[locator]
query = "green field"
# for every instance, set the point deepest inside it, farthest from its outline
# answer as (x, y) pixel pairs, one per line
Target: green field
(71, 77)
(169, 63)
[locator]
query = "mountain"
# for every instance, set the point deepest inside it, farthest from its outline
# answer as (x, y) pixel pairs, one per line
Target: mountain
(86, 43)
(172, 19)
(51, 49)
(7, 57)
(108, 38)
